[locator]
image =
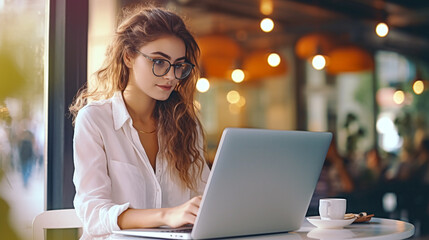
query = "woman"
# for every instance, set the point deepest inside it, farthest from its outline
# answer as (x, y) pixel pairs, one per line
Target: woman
(138, 146)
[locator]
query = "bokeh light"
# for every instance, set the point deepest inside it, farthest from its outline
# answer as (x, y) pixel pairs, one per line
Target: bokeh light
(203, 85)
(274, 60)
(389, 137)
(233, 97)
(418, 87)
(385, 125)
(399, 97)
(266, 7)
(237, 75)
(382, 29)
(267, 25)
(241, 102)
(318, 62)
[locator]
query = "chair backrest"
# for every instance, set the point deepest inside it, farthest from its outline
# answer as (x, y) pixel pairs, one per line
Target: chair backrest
(55, 219)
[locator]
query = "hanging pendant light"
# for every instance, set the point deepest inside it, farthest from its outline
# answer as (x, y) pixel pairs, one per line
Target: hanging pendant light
(349, 59)
(219, 53)
(381, 28)
(256, 66)
(310, 45)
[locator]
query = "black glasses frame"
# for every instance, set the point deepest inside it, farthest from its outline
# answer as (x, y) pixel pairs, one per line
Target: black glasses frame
(169, 66)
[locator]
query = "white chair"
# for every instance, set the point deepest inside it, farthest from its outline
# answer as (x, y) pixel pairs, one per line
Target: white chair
(55, 219)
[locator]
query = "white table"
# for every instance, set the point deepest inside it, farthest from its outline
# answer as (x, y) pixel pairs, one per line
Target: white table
(376, 229)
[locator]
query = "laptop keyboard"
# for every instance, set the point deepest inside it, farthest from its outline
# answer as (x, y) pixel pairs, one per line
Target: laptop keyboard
(185, 230)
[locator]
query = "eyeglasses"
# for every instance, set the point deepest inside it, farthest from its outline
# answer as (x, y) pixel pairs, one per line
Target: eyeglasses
(161, 67)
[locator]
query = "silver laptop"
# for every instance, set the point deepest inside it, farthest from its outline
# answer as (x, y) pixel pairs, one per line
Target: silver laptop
(261, 182)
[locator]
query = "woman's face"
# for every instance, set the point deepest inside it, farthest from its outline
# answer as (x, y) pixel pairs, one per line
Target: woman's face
(142, 78)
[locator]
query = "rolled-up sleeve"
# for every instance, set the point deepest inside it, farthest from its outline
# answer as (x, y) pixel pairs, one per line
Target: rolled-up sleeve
(93, 199)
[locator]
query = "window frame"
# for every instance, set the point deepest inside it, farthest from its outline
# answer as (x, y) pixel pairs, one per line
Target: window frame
(67, 73)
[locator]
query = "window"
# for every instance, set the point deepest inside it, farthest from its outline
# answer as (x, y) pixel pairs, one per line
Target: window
(22, 112)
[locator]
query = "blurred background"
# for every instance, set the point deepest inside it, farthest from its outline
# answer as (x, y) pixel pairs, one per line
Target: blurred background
(357, 68)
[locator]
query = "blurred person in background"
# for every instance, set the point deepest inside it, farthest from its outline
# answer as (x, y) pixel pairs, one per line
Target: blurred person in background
(27, 157)
(409, 181)
(335, 179)
(420, 204)
(371, 183)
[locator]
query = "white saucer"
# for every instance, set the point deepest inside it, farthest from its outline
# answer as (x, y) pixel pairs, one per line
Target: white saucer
(316, 221)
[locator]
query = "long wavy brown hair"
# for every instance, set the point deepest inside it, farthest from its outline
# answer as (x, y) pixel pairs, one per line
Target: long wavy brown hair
(178, 123)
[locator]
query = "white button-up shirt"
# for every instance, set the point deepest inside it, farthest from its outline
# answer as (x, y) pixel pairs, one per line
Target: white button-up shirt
(113, 172)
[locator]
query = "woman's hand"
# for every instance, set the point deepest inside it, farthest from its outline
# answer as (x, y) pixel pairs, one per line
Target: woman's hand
(183, 214)
(149, 218)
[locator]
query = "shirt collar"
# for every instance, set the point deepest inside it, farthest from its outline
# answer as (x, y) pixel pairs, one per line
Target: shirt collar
(119, 110)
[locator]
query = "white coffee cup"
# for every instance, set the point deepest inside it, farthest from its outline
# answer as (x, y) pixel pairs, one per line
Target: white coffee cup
(332, 208)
